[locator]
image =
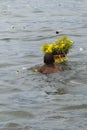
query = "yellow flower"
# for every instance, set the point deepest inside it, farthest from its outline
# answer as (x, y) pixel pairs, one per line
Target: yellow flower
(50, 47)
(60, 46)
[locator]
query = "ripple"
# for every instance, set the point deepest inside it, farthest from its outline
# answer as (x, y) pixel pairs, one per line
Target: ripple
(76, 107)
(33, 101)
(18, 114)
(12, 125)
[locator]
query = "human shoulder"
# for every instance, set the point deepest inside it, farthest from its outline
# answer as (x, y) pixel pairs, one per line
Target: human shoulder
(59, 67)
(50, 69)
(41, 69)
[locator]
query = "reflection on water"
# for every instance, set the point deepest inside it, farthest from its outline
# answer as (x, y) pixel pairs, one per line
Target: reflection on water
(33, 101)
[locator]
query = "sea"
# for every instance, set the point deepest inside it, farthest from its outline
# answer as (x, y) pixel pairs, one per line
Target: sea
(35, 101)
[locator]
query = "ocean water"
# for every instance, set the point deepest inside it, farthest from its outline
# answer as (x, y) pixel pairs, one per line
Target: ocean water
(33, 101)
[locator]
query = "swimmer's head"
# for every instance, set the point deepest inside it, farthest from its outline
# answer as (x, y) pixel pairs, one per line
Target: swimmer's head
(48, 58)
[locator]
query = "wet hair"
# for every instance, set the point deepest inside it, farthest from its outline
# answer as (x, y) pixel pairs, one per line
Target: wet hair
(48, 58)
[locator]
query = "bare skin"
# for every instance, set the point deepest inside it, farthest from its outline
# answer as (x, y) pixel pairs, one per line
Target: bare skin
(49, 65)
(47, 69)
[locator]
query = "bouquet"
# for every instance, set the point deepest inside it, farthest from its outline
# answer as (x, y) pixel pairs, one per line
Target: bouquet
(60, 48)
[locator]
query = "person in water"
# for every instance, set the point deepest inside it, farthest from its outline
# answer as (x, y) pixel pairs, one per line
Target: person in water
(49, 65)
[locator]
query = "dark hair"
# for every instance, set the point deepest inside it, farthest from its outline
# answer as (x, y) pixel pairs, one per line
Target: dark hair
(48, 58)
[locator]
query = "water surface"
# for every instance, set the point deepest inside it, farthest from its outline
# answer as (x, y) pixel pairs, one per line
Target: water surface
(31, 101)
